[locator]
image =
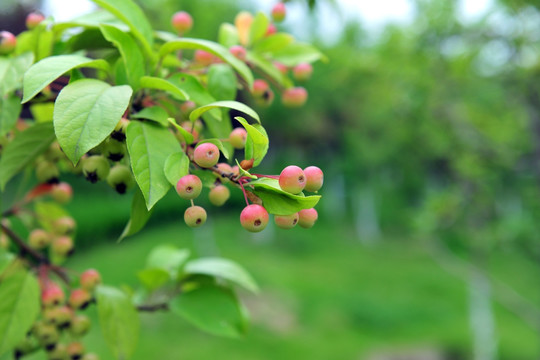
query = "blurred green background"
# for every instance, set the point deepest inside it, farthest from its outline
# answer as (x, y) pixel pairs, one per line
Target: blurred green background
(427, 245)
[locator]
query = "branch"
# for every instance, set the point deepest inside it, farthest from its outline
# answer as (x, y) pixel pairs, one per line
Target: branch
(153, 307)
(23, 247)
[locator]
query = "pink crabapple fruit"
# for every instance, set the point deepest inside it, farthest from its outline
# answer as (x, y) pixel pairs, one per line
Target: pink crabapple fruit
(292, 179)
(52, 295)
(8, 41)
(206, 155)
(203, 58)
(62, 246)
(189, 187)
(238, 51)
(195, 216)
(79, 299)
(219, 195)
(307, 218)
(302, 71)
(62, 192)
(314, 178)
(260, 86)
(294, 97)
(279, 11)
(64, 225)
(271, 30)
(182, 22)
(282, 68)
(90, 279)
(238, 137)
(75, 350)
(254, 218)
(33, 19)
(286, 221)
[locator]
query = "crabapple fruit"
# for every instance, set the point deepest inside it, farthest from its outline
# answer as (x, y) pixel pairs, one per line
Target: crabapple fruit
(47, 172)
(294, 97)
(206, 155)
(203, 58)
(7, 42)
(47, 335)
(119, 132)
(195, 216)
(226, 169)
(307, 218)
(278, 12)
(292, 179)
(60, 316)
(271, 30)
(189, 187)
(182, 22)
(237, 138)
(259, 87)
(90, 279)
(62, 246)
(34, 19)
(314, 178)
(62, 192)
(254, 218)
(114, 150)
(302, 71)
(219, 195)
(238, 51)
(79, 325)
(96, 168)
(187, 107)
(64, 225)
(286, 221)
(52, 295)
(120, 178)
(281, 67)
(75, 350)
(79, 299)
(39, 239)
(58, 352)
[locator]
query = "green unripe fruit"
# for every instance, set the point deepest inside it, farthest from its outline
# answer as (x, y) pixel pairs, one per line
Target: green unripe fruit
(292, 179)
(47, 335)
(80, 325)
(64, 225)
(238, 137)
(314, 178)
(119, 132)
(114, 150)
(4, 241)
(189, 187)
(39, 239)
(62, 192)
(60, 316)
(79, 299)
(195, 216)
(62, 246)
(219, 195)
(90, 357)
(54, 152)
(47, 172)
(24, 347)
(59, 352)
(254, 218)
(120, 178)
(8, 41)
(96, 168)
(206, 155)
(307, 218)
(286, 221)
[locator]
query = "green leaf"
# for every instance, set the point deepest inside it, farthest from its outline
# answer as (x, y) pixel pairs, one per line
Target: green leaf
(219, 144)
(42, 112)
(119, 321)
(279, 202)
(196, 91)
(49, 69)
(220, 129)
(12, 71)
(168, 258)
(10, 109)
(257, 141)
(176, 166)
(131, 55)
(86, 112)
(273, 43)
(270, 69)
(243, 172)
(6, 259)
(222, 268)
(195, 114)
(208, 178)
(154, 113)
(213, 309)
(133, 16)
(38, 41)
(24, 149)
(228, 35)
(149, 146)
(211, 47)
(222, 82)
(188, 137)
(258, 28)
(150, 82)
(139, 216)
(19, 307)
(297, 53)
(153, 278)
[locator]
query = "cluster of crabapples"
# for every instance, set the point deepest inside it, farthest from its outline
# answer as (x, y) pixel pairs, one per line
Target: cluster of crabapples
(263, 94)
(253, 217)
(61, 325)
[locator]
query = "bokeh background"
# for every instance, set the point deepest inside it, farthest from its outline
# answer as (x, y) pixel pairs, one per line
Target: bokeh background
(426, 122)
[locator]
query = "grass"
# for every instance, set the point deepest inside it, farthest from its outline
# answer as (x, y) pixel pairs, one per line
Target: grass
(324, 296)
